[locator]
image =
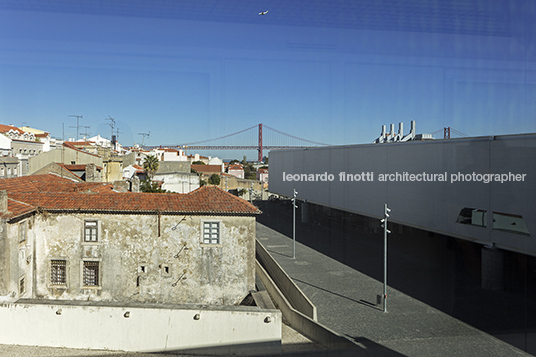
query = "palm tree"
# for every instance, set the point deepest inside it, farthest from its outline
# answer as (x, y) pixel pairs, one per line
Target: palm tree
(150, 165)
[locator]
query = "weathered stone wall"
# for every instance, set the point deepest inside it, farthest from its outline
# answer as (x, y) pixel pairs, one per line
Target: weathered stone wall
(19, 255)
(166, 167)
(147, 258)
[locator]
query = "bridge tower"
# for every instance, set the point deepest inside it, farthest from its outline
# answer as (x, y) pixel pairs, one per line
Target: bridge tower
(259, 150)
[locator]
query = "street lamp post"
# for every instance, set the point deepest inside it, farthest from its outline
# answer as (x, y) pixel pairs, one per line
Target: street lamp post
(385, 232)
(294, 206)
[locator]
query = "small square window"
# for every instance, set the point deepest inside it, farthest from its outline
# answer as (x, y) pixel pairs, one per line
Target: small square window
(211, 232)
(90, 273)
(58, 272)
(165, 270)
(91, 231)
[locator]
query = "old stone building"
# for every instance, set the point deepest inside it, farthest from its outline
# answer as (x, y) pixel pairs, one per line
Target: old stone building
(84, 241)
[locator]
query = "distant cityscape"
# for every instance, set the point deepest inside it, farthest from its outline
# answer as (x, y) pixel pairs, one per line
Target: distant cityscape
(26, 151)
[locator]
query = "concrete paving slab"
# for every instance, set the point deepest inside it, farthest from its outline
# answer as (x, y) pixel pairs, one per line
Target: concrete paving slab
(346, 302)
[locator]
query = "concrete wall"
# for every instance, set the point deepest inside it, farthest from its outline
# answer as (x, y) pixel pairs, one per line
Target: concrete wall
(178, 182)
(113, 169)
(62, 155)
(286, 285)
(142, 258)
(301, 322)
(225, 331)
(431, 205)
(165, 167)
(234, 183)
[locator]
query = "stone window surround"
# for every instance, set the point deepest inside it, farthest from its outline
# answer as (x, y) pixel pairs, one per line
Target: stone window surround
(66, 267)
(99, 274)
(220, 233)
(98, 238)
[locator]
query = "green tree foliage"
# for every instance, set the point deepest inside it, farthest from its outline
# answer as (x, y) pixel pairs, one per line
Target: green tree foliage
(214, 179)
(150, 165)
(151, 187)
(198, 163)
(249, 171)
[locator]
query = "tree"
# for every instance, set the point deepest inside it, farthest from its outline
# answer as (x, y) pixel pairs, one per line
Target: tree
(198, 163)
(150, 165)
(151, 187)
(214, 179)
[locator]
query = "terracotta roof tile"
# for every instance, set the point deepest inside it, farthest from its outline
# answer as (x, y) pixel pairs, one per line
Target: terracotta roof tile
(205, 200)
(5, 128)
(207, 168)
(54, 193)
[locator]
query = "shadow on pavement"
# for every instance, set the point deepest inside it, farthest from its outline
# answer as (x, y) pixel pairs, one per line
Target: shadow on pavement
(441, 271)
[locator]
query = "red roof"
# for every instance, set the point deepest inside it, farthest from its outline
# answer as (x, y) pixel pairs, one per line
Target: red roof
(214, 169)
(50, 183)
(52, 193)
(236, 167)
(7, 128)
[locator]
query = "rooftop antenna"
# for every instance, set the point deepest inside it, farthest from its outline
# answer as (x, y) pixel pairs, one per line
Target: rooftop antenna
(112, 124)
(85, 132)
(117, 137)
(144, 135)
(78, 117)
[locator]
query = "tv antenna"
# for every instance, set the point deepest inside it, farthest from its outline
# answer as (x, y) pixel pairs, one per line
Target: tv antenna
(85, 131)
(112, 123)
(144, 135)
(78, 117)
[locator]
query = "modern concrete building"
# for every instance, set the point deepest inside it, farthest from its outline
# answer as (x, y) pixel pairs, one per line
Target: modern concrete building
(478, 189)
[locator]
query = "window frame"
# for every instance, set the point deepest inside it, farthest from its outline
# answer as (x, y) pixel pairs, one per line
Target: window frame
(219, 233)
(96, 229)
(23, 231)
(98, 276)
(51, 282)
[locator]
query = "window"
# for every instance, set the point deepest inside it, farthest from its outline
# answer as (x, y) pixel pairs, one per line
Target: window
(90, 231)
(23, 231)
(58, 272)
(512, 223)
(472, 216)
(165, 270)
(211, 232)
(90, 275)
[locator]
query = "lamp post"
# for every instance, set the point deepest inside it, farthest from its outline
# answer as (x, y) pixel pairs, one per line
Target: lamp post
(385, 232)
(294, 206)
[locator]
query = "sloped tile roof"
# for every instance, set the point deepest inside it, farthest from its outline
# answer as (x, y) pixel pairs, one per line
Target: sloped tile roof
(207, 168)
(52, 193)
(236, 167)
(50, 183)
(6, 128)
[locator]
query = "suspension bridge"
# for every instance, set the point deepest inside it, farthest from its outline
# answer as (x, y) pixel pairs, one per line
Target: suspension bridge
(258, 137)
(261, 137)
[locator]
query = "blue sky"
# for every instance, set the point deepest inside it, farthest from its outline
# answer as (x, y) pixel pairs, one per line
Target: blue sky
(330, 72)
